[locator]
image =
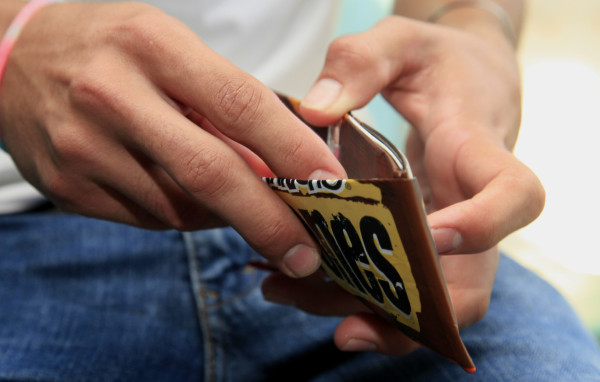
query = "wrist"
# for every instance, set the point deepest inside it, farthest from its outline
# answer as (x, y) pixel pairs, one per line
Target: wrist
(484, 18)
(21, 13)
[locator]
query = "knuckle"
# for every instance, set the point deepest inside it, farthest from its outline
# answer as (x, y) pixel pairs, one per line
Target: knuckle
(136, 39)
(353, 51)
(355, 55)
(56, 187)
(205, 173)
(91, 90)
(483, 233)
(143, 25)
(292, 151)
(526, 183)
(270, 234)
(70, 148)
(94, 84)
(150, 37)
(239, 101)
(538, 197)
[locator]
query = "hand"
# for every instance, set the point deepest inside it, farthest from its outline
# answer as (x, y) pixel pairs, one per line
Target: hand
(461, 93)
(120, 112)
(469, 279)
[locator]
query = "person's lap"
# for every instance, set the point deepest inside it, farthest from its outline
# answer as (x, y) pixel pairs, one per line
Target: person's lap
(87, 300)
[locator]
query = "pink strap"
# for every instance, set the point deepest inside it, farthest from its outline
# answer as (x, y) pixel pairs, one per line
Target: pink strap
(14, 29)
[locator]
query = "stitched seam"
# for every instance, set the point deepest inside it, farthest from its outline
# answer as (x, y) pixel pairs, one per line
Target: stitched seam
(198, 291)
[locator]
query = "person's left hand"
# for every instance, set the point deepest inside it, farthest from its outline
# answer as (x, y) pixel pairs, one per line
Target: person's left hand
(461, 94)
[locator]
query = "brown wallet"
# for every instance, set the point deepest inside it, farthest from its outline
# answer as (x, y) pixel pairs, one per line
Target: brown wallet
(374, 236)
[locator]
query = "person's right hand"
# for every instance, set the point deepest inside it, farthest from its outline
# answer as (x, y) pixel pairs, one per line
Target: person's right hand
(120, 112)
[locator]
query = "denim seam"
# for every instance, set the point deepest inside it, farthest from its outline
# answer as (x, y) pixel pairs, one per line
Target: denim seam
(201, 307)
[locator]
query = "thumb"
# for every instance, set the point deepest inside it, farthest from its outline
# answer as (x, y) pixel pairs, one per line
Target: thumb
(359, 66)
(355, 71)
(501, 196)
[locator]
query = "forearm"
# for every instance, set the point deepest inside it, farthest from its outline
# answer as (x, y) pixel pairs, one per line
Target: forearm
(470, 18)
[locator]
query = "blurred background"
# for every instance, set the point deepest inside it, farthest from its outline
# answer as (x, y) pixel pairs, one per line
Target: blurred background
(559, 140)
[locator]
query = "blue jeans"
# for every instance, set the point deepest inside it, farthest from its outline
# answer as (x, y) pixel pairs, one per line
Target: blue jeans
(87, 300)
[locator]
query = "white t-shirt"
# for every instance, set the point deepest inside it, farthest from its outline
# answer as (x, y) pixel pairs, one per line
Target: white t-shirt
(282, 43)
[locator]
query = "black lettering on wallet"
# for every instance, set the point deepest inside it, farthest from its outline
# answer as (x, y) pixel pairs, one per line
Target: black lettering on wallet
(374, 232)
(319, 226)
(352, 249)
(349, 254)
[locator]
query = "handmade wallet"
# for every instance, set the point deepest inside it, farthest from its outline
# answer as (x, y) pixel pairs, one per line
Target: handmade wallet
(374, 236)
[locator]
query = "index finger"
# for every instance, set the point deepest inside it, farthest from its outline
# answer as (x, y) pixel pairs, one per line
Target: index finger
(240, 106)
(215, 176)
(208, 169)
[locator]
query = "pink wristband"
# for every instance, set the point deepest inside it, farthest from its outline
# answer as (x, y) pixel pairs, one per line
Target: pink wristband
(13, 31)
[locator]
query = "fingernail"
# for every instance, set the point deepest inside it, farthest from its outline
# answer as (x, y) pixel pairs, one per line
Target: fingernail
(356, 344)
(301, 261)
(322, 94)
(323, 175)
(446, 239)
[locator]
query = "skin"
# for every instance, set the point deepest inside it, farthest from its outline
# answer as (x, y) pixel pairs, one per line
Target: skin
(119, 112)
(460, 90)
(114, 112)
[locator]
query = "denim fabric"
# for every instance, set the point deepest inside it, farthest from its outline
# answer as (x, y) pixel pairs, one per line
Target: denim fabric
(86, 300)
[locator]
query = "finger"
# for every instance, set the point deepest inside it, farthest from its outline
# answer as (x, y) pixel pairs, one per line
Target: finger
(358, 66)
(314, 294)
(257, 164)
(367, 332)
(252, 115)
(76, 195)
(260, 122)
(236, 103)
(208, 170)
(95, 174)
(214, 175)
(502, 195)
(150, 188)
